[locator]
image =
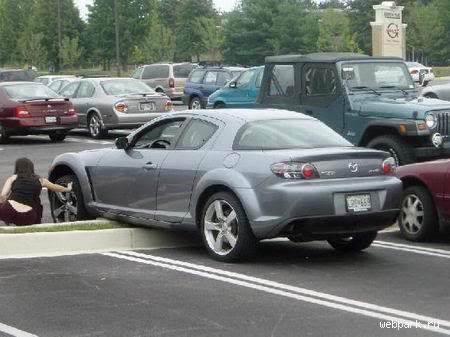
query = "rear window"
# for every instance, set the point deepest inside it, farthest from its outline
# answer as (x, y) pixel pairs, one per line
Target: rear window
(156, 71)
(125, 87)
(287, 134)
(17, 75)
(29, 91)
(182, 70)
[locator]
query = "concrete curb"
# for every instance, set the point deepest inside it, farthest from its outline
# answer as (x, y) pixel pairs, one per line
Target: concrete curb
(87, 241)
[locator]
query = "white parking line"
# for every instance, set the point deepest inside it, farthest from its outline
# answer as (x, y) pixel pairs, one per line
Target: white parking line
(301, 294)
(413, 249)
(14, 332)
(1, 149)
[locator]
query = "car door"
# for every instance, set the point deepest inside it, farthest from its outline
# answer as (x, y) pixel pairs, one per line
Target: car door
(84, 101)
(125, 181)
(179, 169)
(70, 91)
(242, 96)
(209, 83)
(321, 96)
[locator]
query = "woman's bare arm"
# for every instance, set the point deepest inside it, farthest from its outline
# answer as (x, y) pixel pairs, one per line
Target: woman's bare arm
(55, 187)
(6, 190)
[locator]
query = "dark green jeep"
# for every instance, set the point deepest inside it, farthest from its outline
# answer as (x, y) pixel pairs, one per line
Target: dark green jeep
(372, 102)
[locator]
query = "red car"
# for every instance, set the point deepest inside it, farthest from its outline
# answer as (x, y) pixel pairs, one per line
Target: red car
(425, 206)
(33, 108)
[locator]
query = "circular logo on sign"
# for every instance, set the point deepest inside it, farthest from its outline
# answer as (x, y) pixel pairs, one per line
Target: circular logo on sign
(393, 30)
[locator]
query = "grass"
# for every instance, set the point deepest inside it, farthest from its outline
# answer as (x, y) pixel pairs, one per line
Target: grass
(64, 227)
(441, 71)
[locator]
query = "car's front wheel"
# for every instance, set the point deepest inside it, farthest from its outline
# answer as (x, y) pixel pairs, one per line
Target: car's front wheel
(418, 218)
(354, 243)
(401, 151)
(68, 206)
(225, 229)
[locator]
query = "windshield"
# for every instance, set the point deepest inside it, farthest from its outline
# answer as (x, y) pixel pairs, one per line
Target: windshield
(125, 87)
(29, 91)
(377, 75)
(287, 134)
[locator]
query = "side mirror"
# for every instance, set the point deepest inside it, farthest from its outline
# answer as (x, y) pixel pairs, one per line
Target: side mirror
(122, 143)
(233, 85)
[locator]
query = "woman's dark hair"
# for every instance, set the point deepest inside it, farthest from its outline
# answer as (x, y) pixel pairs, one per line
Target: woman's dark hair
(24, 168)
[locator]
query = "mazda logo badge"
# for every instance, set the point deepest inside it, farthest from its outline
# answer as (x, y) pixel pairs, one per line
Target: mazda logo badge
(353, 167)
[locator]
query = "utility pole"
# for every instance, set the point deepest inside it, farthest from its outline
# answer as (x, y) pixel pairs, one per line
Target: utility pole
(59, 35)
(116, 22)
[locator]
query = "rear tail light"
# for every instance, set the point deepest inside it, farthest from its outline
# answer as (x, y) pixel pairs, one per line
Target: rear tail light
(291, 170)
(71, 111)
(389, 166)
(120, 107)
(22, 112)
(168, 106)
(413, 72)
(171, 83)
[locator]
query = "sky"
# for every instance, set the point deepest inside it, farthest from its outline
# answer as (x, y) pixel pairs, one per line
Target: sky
(222, 5)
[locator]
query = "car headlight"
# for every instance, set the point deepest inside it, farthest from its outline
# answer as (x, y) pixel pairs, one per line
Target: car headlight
(430, 120)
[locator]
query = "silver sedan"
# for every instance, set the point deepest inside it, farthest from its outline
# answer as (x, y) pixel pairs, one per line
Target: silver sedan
(238, 176)
(103, 104)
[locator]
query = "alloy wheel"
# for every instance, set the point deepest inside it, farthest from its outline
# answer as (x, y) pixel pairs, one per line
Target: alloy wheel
(412, 214)
(94, 126)
(221, 227)
(196, 104)
(65, 206)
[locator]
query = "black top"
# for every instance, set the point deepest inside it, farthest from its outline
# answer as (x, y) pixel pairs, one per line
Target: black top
(26, 191)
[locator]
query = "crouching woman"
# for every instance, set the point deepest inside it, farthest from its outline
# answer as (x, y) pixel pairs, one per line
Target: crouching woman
(20, 202)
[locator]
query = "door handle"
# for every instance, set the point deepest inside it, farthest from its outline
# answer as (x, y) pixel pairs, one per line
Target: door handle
(150, 166)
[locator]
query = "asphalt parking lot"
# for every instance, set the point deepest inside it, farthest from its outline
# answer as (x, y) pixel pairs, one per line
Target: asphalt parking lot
(286, 290)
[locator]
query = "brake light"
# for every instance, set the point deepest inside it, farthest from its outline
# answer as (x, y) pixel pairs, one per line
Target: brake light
(71, 111)
(171, 83)
(168, 106)
(293, 170)
(413, 72)
(121, 107)
(389, 166)
(22, 112)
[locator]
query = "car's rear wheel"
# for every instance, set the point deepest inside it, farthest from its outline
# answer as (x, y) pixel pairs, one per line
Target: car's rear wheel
(401, 151)
(418, 220)
(57, 136)
(225, 229)
(3, 135)
(195, 103)
(354, 243)
(95, 126)
(68, 206)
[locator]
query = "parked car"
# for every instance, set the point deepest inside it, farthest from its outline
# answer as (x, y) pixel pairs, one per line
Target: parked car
(48, 79)
(425, 206)
(167, 78)
(58, 84)
(240, 92)
(203, 81)
(415, 68)
(32, 108)
(109, 103)
(371, 101)
(439, 91)
(14, 75)
(238, 176)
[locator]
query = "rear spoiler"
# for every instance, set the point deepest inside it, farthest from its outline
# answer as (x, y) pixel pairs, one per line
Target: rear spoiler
(45, 99)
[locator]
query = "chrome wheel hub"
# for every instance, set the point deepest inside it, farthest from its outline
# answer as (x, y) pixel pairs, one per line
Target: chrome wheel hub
(65, 207)
(412, 214)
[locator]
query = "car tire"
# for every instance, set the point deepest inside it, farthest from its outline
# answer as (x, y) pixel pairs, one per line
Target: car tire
(418, 220)
(95, 126)
(3, 135)
(195, 103)
(431, 95)
(402, 152)
(57, 136)
(68, 206)
(219, 105)
(226, 241)
(353, 244)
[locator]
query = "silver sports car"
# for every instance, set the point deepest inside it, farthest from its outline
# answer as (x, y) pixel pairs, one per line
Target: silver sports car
(111, 103)
(238, 176)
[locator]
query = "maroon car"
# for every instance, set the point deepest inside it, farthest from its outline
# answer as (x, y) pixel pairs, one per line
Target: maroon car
(425, 206)
(33, 108)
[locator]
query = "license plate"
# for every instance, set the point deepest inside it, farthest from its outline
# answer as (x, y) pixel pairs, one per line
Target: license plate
(50, 119)
(358, 202)
(148, 106)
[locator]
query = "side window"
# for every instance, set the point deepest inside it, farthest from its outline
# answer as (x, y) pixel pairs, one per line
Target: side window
(155, 71)
(197, 133)
(55, 85)
(197, 76)
(137, 73)
(69, 90)
(161, 136)
(320, 81)
(182, 70)
(223, 78)
(86, 90)
(282, 80)
(210, 78)
(245, 78)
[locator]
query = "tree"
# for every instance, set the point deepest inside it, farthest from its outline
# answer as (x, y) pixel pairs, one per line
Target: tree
(334, 32)
(159, 42)
(208, 38)
(70, 51)
(32, 50)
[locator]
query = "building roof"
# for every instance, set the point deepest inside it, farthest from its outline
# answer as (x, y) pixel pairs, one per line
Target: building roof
(324, 57)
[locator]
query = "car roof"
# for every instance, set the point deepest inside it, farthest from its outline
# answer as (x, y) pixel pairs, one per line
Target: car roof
(99, 79)
(2, 84)
(325, 58)
(56, 76)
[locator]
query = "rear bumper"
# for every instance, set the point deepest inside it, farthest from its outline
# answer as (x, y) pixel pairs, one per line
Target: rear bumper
(433, 152)
(37, 125)
(174, 94)
(130, 121)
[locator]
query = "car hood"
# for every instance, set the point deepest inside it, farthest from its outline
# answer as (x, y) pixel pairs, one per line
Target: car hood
(395, 106)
